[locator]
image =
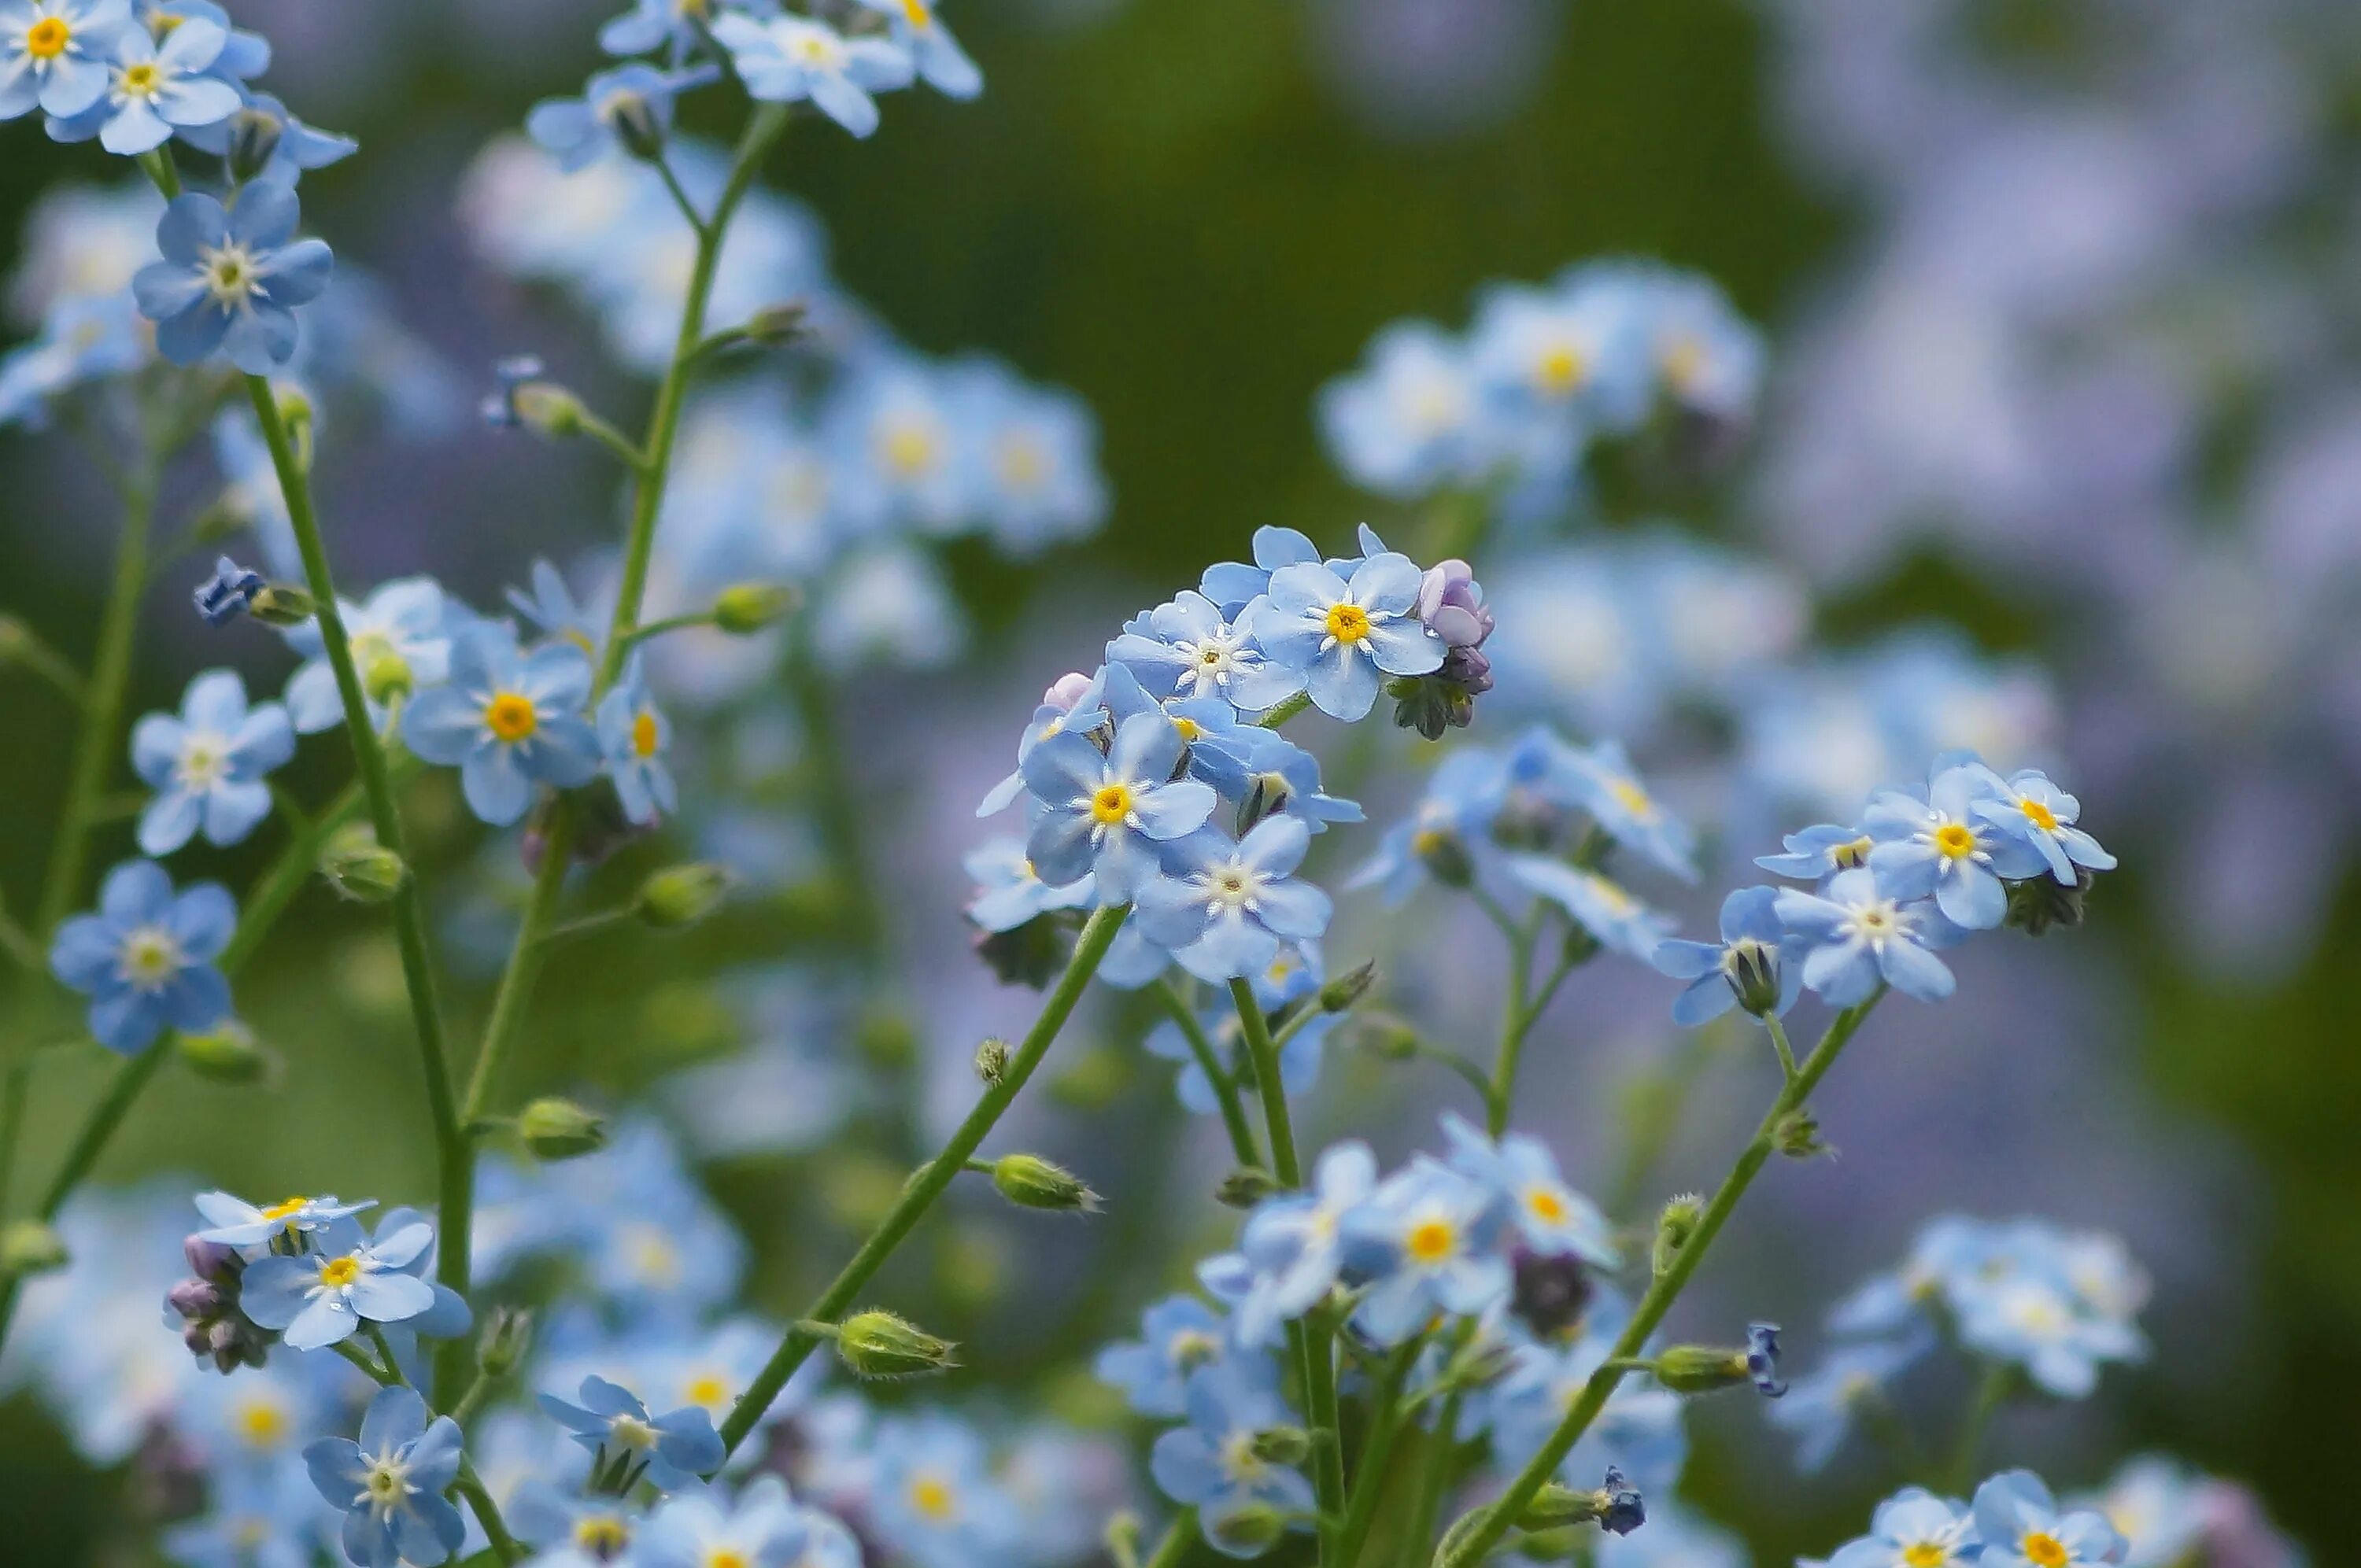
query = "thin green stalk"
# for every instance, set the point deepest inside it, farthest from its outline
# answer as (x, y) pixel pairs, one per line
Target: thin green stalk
(1178, 1536)
(929, 1180)
(101, 740)
(29, 650)
(1779, 1043)
(1992, 1392)
(1209, 1061)
(509, 1003)
(1386, 1422)
(19, 945)
(454, 1155)
(1312, 1336)
(471, 1487)
(12, 1121)
(836, 802)
(1487, 1524)
(1434, 1476)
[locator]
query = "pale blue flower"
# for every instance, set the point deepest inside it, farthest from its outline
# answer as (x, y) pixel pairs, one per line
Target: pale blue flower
(668, 1451)
(934, 1502)
(1224, 906)
(81, 340)
(788, 60)
(1819, 852)
(1756, 951)
(1938, 843)
(1298, 1059)
(2029, 807)
(1293, 1245)
(1452, 822)
(1010, 894)
(1178, 1335)
(1211, 1464)
(762, 1527)
(207, 764)
(1342, 636)
(508, 720)
(390, 1483)
(229, 282)
(247, 54)
(652, 23)
(1912, 1529)
(940, 62)
(572, 1530)
(319, 1298)
(146, 957)
(2169, 1513)
(1233, 585)
(1825, 1404)
(1857, 938)
(1405, 424)
(1278, 776)
(1707, 358)
(53, 53)
(1426, 1241)
(2021, 1525)
(1602, 782)
(399, 638)
(1187, 648)
(233, 1221)
(1615, 919)
(1638, 1432)
(1034, 456)
(1109, 814)
(551, 608)
(1548, 1215)
(259, 1515)
(155, 90)
(632, 740)
(297, 148)
(579, 132)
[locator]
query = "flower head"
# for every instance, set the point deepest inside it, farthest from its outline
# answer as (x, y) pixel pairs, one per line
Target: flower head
(146, 957)
(1857, 938)
(1224, 906)
(1109, 812)
(2021, 1525)
(788, 60)
(1341, 637)
(629, 1444)
(320, 1297)
(507, 719)
(632, 738)
(53, 53)
(1756, 964)
(229, 282)
(207, 764)
(154, 90)
(390, 1483)
(1912, 1529)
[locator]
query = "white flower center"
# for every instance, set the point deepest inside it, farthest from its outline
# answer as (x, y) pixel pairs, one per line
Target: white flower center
(203, 763)
(147, 957)
(230, 275)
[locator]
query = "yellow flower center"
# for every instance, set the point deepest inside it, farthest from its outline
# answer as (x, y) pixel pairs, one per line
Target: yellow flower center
(1431, 1241)
(1558, 370)
(602, 1535)
(339, 1272)
(141, 80)
(921, 19)
(285, 1209)
(1955, 840)
(1853, 856)
(2039, 815)
(1347, 623)
(932, 1496)
(909, 449)
(1924, 1554)
(1545, 1203)
(1112, 804)
(1683, 363)
(1631, 797)
(1427, 840)
(510, 718)
(708, 1391)
(725, 1557)
(1189, 729)
(262, 1426)
(47, 38)
(644, 735)
(1023, 464)
(386, 1483)
(2044, 1550)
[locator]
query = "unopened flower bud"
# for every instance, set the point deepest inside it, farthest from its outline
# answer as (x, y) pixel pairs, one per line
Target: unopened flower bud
(2038, 903)
(683, 894)
(1339, 995)
(1701, 1368)
(1431, 705)
(1065, 691)
(1031, 1182)
(1245, 1187)
(1551, 1291)
(743, 608)
(221, 598)
(1390, 1040)
(557, 1129)
(1674, 1226)
(1247, 1530)
(547, 409)
(1797, 1135)
(507, 1336)
(211, 1260)
(1282, 1445)
(991, 1060)
(386, 675)
(227, 1054)
(1451, 603)
(30, 1248)
(775, 326)
(360, 868)
(1615, 1505)
(254, 137)
(198, 1300)
(878, 1345)
(1122, 1539)
(638, 124)
(282, 605)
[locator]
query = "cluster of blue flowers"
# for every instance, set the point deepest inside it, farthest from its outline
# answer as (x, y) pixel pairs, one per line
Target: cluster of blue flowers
(1511, 407)
(2013, 1523)
(2051, 1306)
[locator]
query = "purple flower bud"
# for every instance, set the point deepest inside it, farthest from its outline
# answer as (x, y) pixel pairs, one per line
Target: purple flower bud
(199, 1300)
(1065, 691)
(1451, 603)
(1467, 669)
(211, 1260)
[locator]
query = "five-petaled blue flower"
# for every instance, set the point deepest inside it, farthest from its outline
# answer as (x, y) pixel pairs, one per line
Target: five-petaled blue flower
(1224, 906)
(53, 53)
(1858, 937)
(1426, 1241)
(207, 765)
(1111, 813)
(668, 1451)
(632, 737)
(1186, 647)
(399, 643)
(1009, 893)
(1819, 852)
(145, 958)
(234, 1222)
(1293, 1243)
(1912, 1529)
(321, 1298)
(1177, 1336)
(230, 281)
(153, 91)
(295, 147)
(787, 59)
(508, 720)
(1342, 636)
(1940, 844)
(1754, 962)
(940, 62)
(2029, 807)
(579, 132)
(2022, 1526)
(390, 1483)
(1212, 1464)
(1597, 903)
(1548, 1215)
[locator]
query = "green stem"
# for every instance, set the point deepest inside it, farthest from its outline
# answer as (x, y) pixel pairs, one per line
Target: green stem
(12, 1121)
(1385, 1421)
(21, 947)
(1489, 1523)
(509, 1003)
(45, 662)
(1516, 1022)
(1435, 1475)
(929, 1180)
(471, 1487)
(1178, 1536)
(455, 1157)
(1992, 1392)
(101, 740)
(1209, 1061)
(1312, 1336)
(1779, 1043)
(837, 804)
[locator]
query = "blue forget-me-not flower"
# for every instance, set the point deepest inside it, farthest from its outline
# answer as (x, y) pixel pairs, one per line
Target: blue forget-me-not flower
(207, 764)
(508, 720)
(390, 1483)
(230, 281)
(146, 957)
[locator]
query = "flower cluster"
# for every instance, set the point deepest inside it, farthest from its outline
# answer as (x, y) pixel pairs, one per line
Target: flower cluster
(2049, 1306)
(2013, 1523)
(1540, 373)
